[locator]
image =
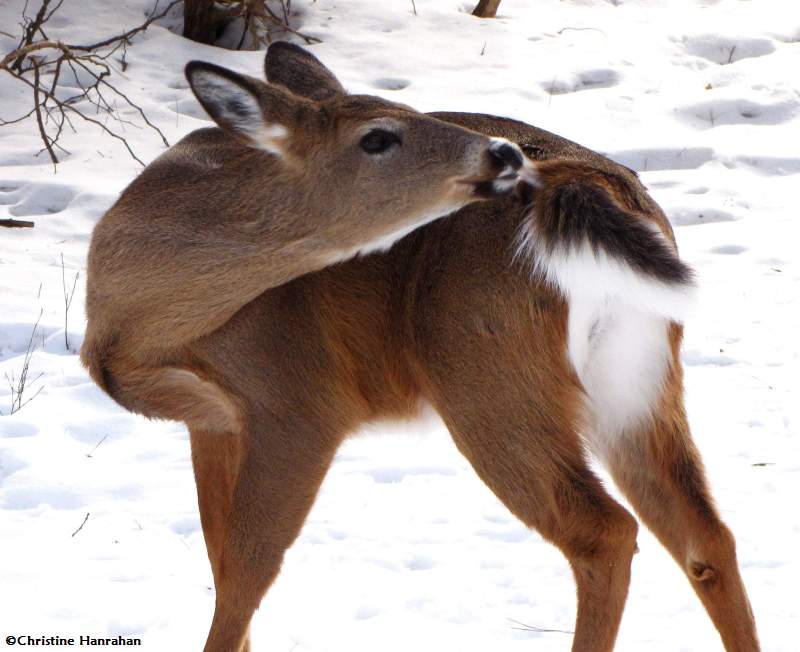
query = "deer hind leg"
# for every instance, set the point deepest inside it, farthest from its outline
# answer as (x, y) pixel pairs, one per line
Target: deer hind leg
(534, 462)
(654, 461)
(659, 470)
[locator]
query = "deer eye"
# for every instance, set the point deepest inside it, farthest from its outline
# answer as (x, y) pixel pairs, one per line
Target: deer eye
(378, 141)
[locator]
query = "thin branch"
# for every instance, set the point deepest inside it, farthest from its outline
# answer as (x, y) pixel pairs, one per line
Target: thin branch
(68, 296)
(245, 29)
(141, 112)
(31, 28)
(37, 107)
(5, 63)
(581, 29)
(96, 446)
(19, 385)
(16, 224)
(52, 113)
(126, 36)
(532, 628)
(3, 123)
(86, 518)
(67, 107)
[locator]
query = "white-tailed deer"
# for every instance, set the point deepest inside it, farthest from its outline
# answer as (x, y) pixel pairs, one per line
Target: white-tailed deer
(539, 326)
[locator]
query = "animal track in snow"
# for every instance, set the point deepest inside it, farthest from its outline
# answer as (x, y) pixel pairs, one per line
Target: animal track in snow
(388, 475)
(663, 158)
(187, 107)
(9, 192)
(514, 534)
(724, 50)
(581, 81)
(95, 431)
(695, 358)
(391, 83)
(11, 428)
(729, 250)
(9, 464)
(772, 166)
(717, 112)
(31, 496)
(419, 562)
(38, 199)
(365, 612)
(687, 216)
(185, 526)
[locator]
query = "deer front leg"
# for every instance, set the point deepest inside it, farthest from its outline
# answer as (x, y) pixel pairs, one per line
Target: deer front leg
(216, 457)
(253, 501)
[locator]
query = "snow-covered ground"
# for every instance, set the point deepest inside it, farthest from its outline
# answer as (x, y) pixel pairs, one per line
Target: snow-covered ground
(405, 548)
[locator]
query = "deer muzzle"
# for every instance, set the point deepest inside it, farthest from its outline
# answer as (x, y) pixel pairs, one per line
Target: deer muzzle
(508, 167)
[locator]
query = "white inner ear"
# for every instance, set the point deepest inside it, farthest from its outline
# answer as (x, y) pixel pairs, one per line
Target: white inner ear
(239, 109)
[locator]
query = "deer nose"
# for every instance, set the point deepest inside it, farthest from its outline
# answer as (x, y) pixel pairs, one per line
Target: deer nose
(507, 154)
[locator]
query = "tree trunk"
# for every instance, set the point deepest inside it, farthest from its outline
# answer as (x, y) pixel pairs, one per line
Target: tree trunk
(199, 21)
(486, 8)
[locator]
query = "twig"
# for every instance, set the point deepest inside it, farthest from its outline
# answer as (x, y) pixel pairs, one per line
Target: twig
(37, 107)
(67, 299)
(245, 29)
(89, 58)
(86, 518)
(19, 385)
(6, 62)
(126, 36)
(414, 7)
(531, 628)
(581, 29)
(31, 28)
(265, 17)
(64, 106)
(96, 446)
(16, 224)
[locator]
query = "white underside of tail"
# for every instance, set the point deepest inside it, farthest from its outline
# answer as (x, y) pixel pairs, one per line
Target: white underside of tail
(618, 334)
(581, 271)
(621, 355)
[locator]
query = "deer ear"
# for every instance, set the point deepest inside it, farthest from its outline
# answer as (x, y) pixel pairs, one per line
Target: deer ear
(257, 114)
(300, 71)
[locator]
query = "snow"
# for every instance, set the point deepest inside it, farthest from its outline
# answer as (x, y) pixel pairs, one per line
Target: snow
(405, 548)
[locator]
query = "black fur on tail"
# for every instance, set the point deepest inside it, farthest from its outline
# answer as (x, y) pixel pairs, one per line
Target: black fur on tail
(571, 211)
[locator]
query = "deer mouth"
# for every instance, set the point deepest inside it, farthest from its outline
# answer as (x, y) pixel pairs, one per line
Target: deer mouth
(504, 183)
(499, 187)
(510, 167)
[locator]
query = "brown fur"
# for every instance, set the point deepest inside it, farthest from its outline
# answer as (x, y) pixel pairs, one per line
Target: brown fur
(216, 220)
(445, 316)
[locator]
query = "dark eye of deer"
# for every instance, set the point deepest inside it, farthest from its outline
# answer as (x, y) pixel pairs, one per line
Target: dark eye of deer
(378, 141)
